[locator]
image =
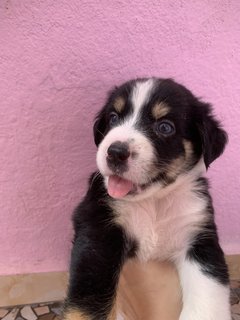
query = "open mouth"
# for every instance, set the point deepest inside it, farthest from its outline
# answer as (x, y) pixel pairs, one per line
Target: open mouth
(119, 187)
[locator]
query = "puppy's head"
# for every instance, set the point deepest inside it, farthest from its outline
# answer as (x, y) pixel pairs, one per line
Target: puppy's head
(150, 132)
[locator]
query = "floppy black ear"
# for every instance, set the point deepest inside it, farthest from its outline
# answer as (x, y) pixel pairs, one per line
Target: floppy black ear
(213, 137)
(99, 128)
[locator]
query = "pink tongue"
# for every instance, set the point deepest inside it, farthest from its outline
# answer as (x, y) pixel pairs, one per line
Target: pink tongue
(118, 187)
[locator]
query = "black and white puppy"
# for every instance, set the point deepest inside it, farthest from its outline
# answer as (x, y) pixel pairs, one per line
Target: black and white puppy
(150, 201)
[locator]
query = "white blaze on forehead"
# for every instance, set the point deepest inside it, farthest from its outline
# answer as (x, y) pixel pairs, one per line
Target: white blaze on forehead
(140, 95)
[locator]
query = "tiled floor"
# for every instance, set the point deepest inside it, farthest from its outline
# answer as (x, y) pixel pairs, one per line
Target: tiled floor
(52, 311)
(41, 311)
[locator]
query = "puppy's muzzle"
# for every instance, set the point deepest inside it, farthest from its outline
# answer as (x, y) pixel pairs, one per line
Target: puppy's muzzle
(117, 155)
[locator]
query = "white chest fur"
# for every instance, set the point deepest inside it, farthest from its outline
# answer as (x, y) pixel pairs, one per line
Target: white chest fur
(163, 225)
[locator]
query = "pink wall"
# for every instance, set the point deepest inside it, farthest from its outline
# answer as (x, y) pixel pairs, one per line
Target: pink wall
(57, 60)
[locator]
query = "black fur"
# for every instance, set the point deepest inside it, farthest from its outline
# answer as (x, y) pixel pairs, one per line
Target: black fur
(205, 247)
(213, 137)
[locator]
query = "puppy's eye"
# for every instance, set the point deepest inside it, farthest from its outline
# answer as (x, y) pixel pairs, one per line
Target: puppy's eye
(165, 128)
(113, 119)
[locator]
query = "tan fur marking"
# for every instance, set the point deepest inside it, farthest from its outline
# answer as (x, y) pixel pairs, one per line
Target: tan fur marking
(119, 104)
(113, 314)
(188, 149)
(73, 314)
(160, 110)
(175, 167)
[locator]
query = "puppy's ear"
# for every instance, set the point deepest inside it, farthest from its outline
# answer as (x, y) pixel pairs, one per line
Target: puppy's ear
(99, 128)
(213, 137)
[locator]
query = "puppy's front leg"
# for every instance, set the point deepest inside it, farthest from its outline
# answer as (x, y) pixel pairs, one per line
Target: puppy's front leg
(94, 273)
(204, 281)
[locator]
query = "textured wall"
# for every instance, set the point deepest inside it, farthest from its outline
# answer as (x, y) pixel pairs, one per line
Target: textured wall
(57, 60)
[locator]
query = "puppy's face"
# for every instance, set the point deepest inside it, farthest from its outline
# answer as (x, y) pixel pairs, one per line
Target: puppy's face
(151, 131)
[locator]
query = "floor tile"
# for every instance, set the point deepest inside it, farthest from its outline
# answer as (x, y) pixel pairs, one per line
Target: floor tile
(236, 308)
(56, 310)
(237, 291)
(49, 316)
(27, 313)
(41, 310)
(12, 314)
(3, 312)
(235, 284)
(234, 297)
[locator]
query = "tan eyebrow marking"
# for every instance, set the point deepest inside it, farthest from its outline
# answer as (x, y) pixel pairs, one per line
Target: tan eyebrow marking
(119, 104)
(160, 110)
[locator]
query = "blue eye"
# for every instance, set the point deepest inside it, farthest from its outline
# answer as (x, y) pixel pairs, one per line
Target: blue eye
(113, 119)
(165, 128)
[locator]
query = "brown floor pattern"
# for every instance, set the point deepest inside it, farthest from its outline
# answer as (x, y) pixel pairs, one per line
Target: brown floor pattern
(52, 310)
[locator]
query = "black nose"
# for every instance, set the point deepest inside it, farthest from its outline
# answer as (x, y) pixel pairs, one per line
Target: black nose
(118, 152)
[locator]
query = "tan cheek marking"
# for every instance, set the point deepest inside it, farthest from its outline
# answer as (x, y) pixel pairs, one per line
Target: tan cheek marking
(160, 110)
(175, 167)
(188, 149)
(119, 104)
(73, 314)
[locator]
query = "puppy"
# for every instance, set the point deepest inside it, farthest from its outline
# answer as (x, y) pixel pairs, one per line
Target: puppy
(150, 201)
